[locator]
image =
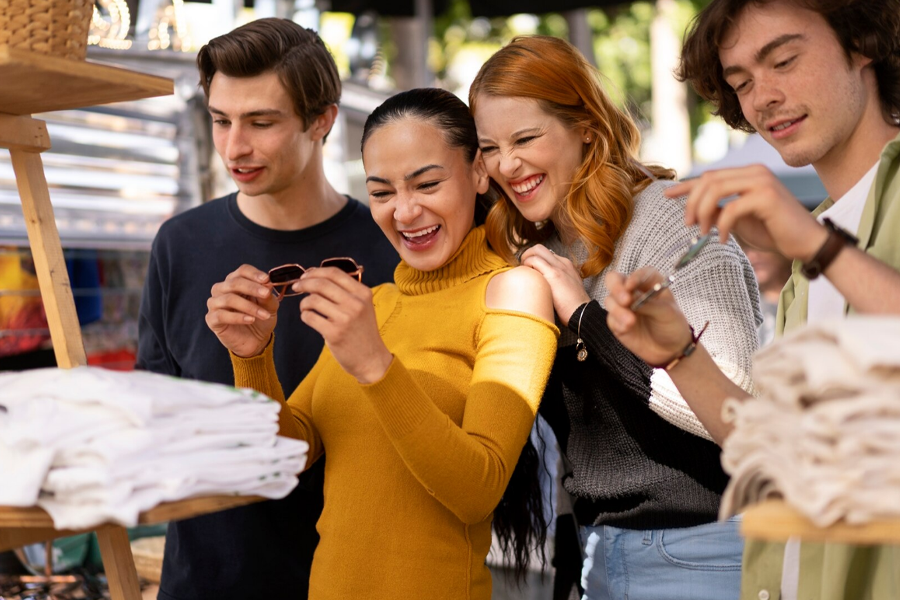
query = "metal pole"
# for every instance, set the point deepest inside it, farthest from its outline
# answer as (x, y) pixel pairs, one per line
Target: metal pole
(580, 34)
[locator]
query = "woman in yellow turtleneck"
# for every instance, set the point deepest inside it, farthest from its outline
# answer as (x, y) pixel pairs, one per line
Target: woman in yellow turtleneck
(427, 388)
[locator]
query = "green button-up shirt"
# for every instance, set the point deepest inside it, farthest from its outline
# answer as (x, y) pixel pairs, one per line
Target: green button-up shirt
(837, 571)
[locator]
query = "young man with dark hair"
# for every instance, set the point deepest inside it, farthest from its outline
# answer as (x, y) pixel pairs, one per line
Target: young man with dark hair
(820, 81)
(272, 90)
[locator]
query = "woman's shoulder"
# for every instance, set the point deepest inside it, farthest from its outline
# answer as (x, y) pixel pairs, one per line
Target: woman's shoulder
(657, 223)
(658, 231)
(520, 289)
(651, 202)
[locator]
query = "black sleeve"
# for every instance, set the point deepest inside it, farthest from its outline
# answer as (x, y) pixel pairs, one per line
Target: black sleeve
(603, 347)
(153, 351)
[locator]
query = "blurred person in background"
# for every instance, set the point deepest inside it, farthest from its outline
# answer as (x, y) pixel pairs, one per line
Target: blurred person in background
(772, 271)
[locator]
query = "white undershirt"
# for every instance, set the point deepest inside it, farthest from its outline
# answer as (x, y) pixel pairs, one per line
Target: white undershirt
(825, 301)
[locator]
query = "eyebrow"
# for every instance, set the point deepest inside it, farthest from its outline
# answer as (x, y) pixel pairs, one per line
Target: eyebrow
(265, 112)
(412, 175)
(766, 51)
(515, 134)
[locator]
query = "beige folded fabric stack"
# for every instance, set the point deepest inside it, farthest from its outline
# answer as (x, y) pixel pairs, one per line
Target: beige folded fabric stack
(824, 433)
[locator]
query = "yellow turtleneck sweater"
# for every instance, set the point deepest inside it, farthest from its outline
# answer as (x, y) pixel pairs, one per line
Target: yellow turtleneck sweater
(418, 461)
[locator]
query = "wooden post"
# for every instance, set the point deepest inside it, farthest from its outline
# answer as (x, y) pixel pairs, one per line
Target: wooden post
(118, 563)
(43, 236)
(27, 138)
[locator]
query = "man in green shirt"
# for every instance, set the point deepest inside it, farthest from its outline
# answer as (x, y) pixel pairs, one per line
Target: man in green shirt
(820, 81)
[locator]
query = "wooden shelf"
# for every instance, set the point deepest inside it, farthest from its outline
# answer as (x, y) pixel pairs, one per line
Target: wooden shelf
(33, 524)
(33, 83)
(776, 521)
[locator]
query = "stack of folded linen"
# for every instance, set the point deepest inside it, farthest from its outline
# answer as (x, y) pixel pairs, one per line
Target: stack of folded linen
(90, 445)
(824, 433)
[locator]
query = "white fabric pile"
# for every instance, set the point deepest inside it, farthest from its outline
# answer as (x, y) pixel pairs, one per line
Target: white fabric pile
(824, 433)
(90, 445)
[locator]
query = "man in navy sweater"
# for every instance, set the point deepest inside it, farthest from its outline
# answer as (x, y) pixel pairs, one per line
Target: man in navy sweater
(272, 90)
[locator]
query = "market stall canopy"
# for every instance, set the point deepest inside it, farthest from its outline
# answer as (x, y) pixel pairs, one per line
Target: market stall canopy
(803, 182)
(480, 8)
(505, 8)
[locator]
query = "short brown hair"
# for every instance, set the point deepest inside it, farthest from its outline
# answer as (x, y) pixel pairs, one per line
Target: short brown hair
(867, 27)
(297, 55)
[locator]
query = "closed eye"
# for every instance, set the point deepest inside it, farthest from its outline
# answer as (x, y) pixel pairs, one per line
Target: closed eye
(379, 194)
(742, 86)
(526, 140)
(487, 149)
(785, 63)
(428, 185)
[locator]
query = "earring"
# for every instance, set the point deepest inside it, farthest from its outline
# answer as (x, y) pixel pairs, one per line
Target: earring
(587, 140)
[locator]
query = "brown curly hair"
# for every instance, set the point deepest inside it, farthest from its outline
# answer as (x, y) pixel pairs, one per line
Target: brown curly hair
(600, 201)
(870, 28)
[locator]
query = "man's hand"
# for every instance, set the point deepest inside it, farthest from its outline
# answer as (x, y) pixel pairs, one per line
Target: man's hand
(565, 281)
(763, 213)
(242, 311)
(658, 331)
(340, 308)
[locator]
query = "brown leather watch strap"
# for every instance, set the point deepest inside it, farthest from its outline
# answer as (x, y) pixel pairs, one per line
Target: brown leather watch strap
(837, 239)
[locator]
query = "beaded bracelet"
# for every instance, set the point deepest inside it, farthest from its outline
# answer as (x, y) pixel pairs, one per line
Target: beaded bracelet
(688, 350)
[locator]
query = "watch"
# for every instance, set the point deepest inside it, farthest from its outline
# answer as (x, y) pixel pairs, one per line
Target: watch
(837, 239)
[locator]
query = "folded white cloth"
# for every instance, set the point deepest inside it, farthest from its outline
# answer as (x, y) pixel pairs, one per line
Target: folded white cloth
(824, 432)
(91, 446)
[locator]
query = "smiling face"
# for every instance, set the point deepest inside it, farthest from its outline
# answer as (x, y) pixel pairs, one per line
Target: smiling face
(795, 83)
(262, 141)
(532, 154)
(421, 190)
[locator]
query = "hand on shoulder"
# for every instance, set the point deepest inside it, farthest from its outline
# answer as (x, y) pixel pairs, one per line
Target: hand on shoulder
(562, 276)
(521, 289)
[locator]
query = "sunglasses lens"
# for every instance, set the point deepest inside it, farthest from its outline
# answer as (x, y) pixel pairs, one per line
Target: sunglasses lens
(344, 264)
(692, 252)
(286, 274)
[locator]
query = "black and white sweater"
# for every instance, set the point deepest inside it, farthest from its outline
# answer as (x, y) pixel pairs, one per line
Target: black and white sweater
(638, 455)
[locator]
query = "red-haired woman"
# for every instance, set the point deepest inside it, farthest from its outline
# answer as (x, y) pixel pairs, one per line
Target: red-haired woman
(645, 469)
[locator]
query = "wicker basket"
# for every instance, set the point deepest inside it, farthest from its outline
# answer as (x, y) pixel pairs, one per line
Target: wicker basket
(148, 557)
(55, 27)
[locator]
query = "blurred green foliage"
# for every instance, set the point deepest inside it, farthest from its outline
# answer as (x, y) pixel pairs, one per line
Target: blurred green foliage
(621, 45)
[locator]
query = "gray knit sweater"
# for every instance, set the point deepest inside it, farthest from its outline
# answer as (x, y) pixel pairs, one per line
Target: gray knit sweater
(623, 424)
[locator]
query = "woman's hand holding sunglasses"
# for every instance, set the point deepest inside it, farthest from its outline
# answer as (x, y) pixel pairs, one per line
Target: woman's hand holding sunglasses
(242, 311)
(340, 308)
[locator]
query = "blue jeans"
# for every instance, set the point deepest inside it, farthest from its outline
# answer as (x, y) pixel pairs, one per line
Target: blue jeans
(690, 563)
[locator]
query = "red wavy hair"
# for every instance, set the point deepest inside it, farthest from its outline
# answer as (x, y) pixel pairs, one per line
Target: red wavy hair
(600, 202)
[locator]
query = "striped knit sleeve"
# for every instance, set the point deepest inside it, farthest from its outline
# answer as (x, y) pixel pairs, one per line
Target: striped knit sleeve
(718, 287)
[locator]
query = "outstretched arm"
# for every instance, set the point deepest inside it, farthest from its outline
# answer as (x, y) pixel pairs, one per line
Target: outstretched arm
(766, 215)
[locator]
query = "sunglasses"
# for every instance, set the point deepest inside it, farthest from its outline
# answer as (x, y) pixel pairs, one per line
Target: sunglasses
(697, 244)
(286, 275)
